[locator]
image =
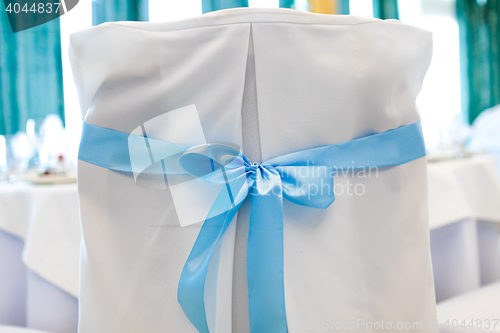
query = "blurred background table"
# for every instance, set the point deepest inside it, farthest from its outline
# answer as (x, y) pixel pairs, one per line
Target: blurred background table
(39, 246)
(464, 212)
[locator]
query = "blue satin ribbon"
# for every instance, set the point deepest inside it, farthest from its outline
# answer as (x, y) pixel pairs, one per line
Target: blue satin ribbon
(291, 176)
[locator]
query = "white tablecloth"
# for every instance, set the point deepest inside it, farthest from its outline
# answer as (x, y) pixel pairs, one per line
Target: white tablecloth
(41, 222)
(463, 189)
(46, 218)
(41, 225)
(464, 211)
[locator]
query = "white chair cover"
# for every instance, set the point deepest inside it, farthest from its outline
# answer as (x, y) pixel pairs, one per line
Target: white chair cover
(273, 81)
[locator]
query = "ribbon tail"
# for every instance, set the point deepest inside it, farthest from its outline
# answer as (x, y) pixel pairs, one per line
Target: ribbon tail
(191, 289)
(265, 261)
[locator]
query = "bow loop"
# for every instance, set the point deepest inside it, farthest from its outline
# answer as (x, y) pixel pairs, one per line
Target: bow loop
(205, 161)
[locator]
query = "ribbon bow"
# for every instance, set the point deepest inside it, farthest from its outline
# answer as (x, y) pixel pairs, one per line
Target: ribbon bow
(219, 164)
(267, 184)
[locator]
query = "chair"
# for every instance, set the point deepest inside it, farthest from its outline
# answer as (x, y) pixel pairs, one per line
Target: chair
(272, 81)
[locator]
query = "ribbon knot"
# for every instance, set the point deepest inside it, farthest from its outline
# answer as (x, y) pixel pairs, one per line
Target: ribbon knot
(252, 169)
(254, 166)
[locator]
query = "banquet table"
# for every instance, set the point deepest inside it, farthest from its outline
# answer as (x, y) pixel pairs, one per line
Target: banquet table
(464, 212)
(40, 242)
(39, 247)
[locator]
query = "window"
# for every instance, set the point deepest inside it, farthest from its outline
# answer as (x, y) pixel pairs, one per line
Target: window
(439, 103)
(173, 10)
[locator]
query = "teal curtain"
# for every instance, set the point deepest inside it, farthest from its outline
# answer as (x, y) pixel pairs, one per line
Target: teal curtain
(212, 5)
(493, 31)
(386, 9)
(31, 83)
(119, 10)
(343, 7)
(479, 56)
(286, 3)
